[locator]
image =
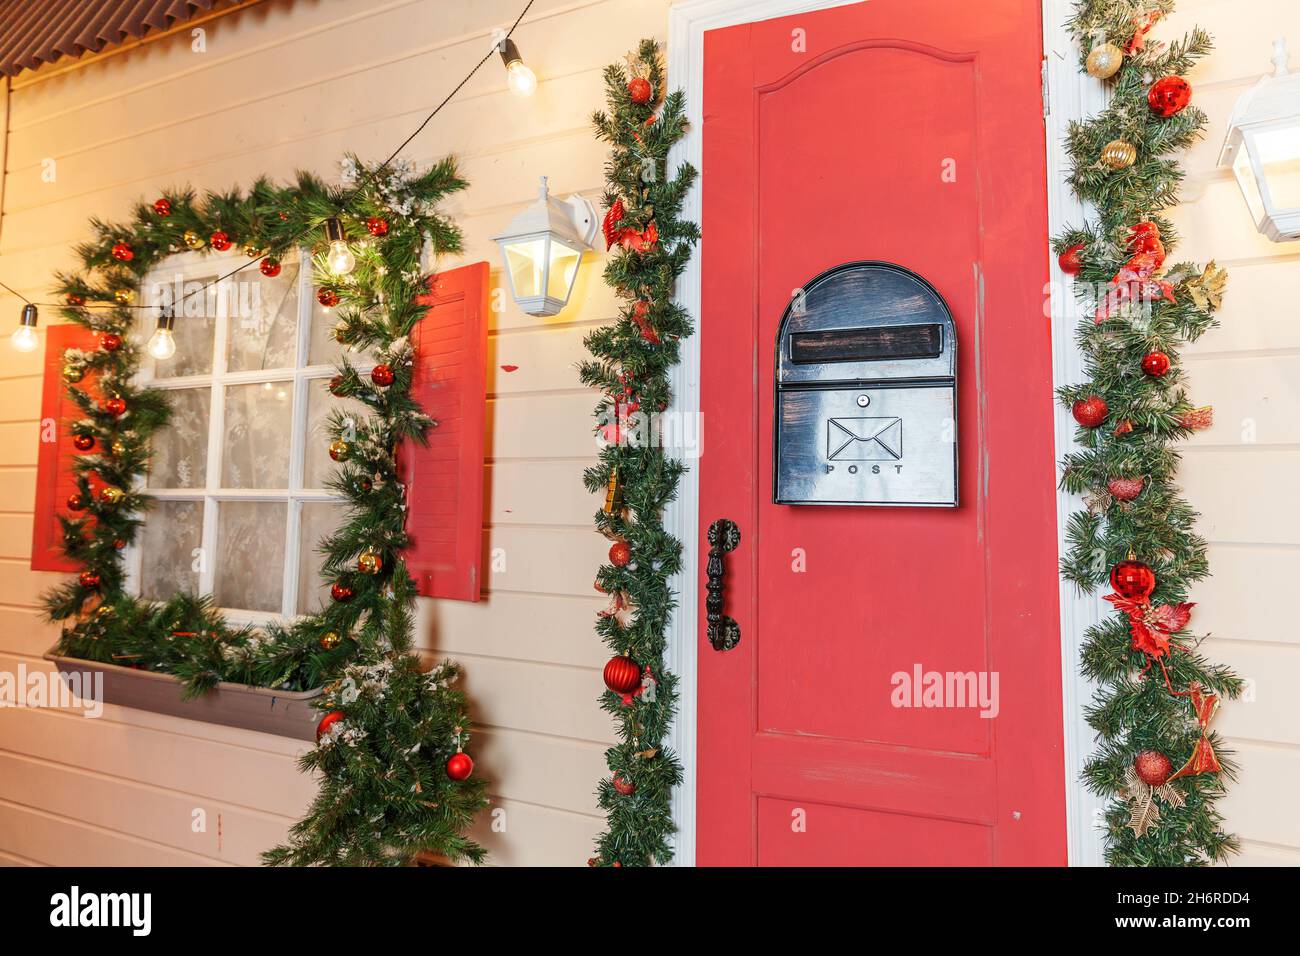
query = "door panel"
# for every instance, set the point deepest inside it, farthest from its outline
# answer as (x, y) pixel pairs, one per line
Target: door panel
(909, 133)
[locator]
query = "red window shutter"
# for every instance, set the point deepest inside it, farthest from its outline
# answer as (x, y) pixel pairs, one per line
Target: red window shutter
(54, 478)
(444, 481)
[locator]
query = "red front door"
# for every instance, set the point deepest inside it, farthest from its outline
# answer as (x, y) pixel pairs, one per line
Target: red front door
(895, 695)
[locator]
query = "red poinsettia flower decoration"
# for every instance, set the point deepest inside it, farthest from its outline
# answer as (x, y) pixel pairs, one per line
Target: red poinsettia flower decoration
(1152, 626)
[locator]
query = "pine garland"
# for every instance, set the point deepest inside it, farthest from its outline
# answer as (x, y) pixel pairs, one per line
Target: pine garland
(630, 363)
(385, 794)
(1135, 709)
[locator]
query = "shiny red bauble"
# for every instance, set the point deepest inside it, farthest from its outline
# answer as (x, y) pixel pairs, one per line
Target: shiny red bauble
(220, 241)
(1132, 579)
(162, 207)
(122, 252)
(88, 579)
(382, 375)
(110, 341)
(327, 297)
(1153, 768)
(376, 226)
(622, 674)
(83, 442)
(341, 592)
(326, 722)
(270, 267)
(1069, 260)
(75, 300)
(76, 503)
(1090, 412)
(1155, 364)
(459, 766)
(638, 90)
(620, 553)
(1169, 95)
(623, 785)
(335, 384)
(115, 406)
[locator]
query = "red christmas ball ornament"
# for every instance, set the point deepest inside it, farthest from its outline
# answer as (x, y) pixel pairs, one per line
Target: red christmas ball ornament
(115, 406)
(75, 300)
(620, 554)
(639, 90)
(1155, 364)
(327, 297)
(88, 579)
(459, 766)
(76, 503)
(122, 252)
(119, 544)
(220, 241)
(1090, 412)
(1169, 96)
(622, 674)
(382, 375)
(1069, 261)
(326, 722)
(341, 592)
(335, 384)
(623, 785)
(162, 207)
(83, 442)
(377, 226)
(110, 341)
(1153, 768)
(1132, 579)
(1125, 489)
(270, 267)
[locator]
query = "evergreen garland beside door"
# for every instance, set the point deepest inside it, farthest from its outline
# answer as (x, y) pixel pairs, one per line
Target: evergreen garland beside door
(1158, 762)
(630, 363)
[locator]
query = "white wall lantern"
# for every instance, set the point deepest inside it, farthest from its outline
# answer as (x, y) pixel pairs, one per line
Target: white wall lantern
(542, 248)
(1263, 149)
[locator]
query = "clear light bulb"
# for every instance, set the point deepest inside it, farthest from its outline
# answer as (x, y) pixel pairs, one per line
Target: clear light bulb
(162, 344)
(341, 260)
(522, 80)
(25, 339)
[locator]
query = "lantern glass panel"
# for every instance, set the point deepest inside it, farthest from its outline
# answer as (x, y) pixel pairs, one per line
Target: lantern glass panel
(1279, 157)
(526, 262)
(1245, 173)
(564, 269)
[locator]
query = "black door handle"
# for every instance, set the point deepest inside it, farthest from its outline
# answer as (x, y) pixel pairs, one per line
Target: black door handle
(724, 633)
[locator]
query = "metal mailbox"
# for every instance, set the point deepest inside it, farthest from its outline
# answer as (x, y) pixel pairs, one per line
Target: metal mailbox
(866, 392)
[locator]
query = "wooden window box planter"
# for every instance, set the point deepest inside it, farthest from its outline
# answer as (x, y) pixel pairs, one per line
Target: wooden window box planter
(286, 713)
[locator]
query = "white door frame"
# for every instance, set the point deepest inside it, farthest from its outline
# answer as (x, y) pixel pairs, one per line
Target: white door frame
(1071, 95)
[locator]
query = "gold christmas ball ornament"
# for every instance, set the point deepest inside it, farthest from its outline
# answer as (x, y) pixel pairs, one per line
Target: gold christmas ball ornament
(251, 250)
(1118, 154)
(1104, 61)
(119, 448)
(124, 296)
(330, 640)
(73, 373)
(192, 239)
(111, 494)
(369, 562)
(340, 332)
(340, 450)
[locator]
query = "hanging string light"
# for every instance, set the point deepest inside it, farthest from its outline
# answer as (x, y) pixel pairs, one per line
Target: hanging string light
(162, 344)
(521, 79)
(25, 338)
(341, 260)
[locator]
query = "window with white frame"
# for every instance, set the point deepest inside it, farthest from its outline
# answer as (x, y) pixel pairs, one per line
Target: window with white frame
(239, 474)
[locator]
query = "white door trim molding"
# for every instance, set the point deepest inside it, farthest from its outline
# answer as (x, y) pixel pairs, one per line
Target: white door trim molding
(1071, 96)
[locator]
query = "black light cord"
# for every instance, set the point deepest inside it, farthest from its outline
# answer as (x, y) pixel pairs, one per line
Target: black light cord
(344, 203)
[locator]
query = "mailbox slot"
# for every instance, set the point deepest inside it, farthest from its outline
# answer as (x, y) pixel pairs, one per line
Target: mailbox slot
(866, 392)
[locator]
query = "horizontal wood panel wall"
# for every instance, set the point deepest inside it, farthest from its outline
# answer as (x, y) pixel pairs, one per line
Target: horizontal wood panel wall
(291, 85)
(1242, 474)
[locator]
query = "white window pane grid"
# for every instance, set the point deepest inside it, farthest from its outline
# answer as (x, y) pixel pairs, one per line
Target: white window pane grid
(296, 385)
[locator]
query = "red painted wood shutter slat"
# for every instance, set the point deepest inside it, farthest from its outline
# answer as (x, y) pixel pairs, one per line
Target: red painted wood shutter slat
(444, 481)
(54, 478)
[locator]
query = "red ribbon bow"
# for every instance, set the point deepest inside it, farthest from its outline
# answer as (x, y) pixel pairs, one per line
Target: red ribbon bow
(1203, 758)
(1142, 25)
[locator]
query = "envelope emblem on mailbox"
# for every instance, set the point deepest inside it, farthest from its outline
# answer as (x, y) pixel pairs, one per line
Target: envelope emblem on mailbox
(864, 439)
